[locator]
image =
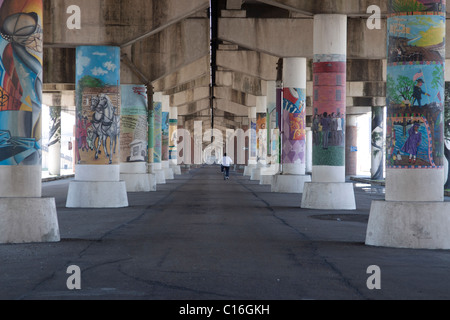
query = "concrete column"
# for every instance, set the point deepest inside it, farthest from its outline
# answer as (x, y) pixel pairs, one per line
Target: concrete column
(173, 141)
(24, 215)
(261, 137)
(309, 145)
(54, 143)
(266, 175)
(328, 189)
(251, 164)
(165, 138)
(97, 173)
(414, 214)
(157, 139)
(293, 162)
(351, 145)
(377, 170)
(134, 139)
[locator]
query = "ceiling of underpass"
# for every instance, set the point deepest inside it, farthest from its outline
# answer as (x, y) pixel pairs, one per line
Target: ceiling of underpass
(168, 43)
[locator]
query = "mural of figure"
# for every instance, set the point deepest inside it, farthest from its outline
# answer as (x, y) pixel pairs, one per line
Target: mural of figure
(418, 92)
(326, 123)
(412, 143)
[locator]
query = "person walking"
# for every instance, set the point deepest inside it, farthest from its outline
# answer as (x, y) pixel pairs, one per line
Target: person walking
(226, 163)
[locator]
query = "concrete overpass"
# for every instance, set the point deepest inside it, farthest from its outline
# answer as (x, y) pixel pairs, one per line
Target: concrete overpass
(218, 62)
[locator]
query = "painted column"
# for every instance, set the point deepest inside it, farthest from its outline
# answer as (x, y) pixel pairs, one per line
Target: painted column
(173, 140)
(251, 142)
(134, 139)
(24, 215)
(272, 136)
(157, 139)
(97, 172)
(351, 145)
(165, 138)
(54, 142)
(414, 214)
(377, 170)
(261, 136)
(328, 189)
(293, 162)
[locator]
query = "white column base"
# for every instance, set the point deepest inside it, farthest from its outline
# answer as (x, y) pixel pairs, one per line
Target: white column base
(176, 169)
(27, 220)
(97, 194)
(289, 183)
(255, 173)
(136, 182)
(248, 170)
(267, 174)
(329, 196)
(152, 181)
(415, 225)
(160, 176)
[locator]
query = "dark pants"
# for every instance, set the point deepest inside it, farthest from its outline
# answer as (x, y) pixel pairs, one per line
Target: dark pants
(227, 171)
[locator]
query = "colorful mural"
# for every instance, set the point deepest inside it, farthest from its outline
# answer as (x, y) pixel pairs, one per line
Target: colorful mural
(415, 84)
(377, 171)
(21, 51)
(98, 104)
(294, 136)
(173, 139)
(261, 133)
(328, 124)
(133, 122)
(157, 131)
(165, 136)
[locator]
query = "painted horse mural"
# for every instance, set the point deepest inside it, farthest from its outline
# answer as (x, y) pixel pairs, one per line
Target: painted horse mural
(105, 124)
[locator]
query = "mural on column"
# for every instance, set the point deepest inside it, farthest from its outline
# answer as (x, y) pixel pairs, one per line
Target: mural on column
(55, 126)
(21, 51)
(98, 105)
(415, 84)
(157, 134)
(294, 126)
(261, 134)
(133, 124)
(150, 136)
(377, 143)
(328, 124)
(165, 136)
(173, 139)
(447, 133)
(272, 130)
(253, 139)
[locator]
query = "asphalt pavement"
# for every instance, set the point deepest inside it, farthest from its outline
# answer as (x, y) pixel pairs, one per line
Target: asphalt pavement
(200, 238)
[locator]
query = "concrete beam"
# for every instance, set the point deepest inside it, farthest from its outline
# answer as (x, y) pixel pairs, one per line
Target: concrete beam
(189, 96)
(198, 69)
(114, 22)
(241, 82)
(235, 96)
(172, 49)
(255, 64)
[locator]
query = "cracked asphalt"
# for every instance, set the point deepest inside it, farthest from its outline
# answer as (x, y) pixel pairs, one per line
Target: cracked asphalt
(199, 237)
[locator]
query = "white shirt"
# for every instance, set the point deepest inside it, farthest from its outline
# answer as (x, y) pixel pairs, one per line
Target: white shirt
(226, 161)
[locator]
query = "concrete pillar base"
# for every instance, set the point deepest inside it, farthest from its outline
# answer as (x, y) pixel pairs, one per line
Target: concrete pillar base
(176, 170)
(97, 194)
(152, 181)
(267, 173)
(329, 196)
(248, 170)
(415, 225)
(168, 173)
(255, 173)
(289, 183)
(27, 220)
(136, 182)
(160, 176)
